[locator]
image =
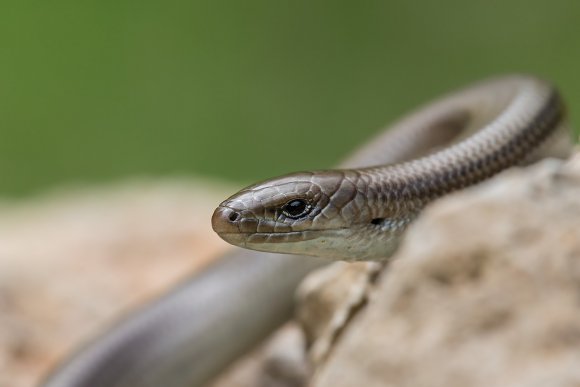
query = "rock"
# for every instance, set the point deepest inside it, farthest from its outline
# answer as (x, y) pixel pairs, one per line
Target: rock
(326, 301)
(483, 292)
(279, 362)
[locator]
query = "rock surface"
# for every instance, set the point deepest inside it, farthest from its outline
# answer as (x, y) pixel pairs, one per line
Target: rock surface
(484, 291)
(327, 300)
(279, 362)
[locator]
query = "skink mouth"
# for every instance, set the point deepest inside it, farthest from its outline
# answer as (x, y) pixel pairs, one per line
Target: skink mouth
(246, 239)
(253, 239)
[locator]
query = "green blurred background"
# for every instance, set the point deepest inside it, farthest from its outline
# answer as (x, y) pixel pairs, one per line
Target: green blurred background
(98, 90)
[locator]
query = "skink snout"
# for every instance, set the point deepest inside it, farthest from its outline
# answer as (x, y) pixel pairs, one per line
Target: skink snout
(225, 220)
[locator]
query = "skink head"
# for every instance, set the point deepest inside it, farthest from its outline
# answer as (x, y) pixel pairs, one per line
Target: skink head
(324, 214)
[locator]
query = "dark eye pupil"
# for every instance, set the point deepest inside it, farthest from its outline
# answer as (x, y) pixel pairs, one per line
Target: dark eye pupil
(296, 208)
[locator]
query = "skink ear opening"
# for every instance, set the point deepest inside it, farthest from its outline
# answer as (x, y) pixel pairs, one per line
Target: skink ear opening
(377, 221)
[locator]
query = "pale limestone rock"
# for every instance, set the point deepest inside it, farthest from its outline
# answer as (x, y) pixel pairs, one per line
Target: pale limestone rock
(279, 362)
(326, 301)
(483, 292)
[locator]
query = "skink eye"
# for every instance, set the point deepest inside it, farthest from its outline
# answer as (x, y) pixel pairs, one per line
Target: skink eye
(296, 208)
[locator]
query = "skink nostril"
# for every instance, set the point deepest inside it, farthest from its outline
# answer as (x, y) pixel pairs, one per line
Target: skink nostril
(233, 216)
(226, 220)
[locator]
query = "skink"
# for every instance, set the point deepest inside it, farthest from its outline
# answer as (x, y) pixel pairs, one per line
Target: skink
(358, 212)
